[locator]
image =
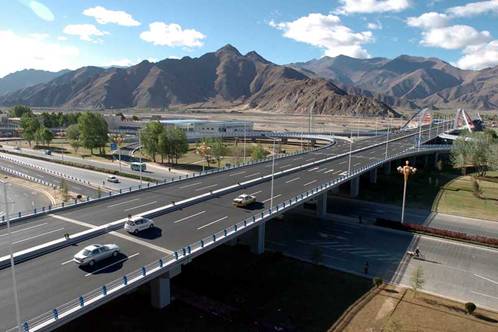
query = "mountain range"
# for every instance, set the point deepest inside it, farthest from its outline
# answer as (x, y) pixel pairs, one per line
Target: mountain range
(26, 78)
(221, 79)
(408, 81)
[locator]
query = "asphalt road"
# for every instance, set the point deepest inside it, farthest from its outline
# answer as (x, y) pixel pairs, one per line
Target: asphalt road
(452, 269)
(355, 208)
(21, 199)
(155, 173)
(174, 230)
(52, 179)
(96, 179)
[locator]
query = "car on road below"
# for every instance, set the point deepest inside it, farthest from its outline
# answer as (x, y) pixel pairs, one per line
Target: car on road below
(47, 152)
(244, 200)
(113, 179)
(96, 252)
(137, 224)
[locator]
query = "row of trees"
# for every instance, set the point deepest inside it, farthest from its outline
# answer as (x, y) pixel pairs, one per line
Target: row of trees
(478, 150)
(167, 142)
(46, 119)
(34, 130)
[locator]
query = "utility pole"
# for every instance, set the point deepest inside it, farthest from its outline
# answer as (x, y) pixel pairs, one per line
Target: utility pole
(12, 263)
(272, 174)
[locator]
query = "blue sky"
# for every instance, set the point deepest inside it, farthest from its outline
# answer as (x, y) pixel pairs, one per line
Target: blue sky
(52, 35)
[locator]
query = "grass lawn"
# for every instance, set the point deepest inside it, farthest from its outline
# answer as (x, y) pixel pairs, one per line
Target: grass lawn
(396, 309)
(444, 192)
(267, 289)
(457, 198)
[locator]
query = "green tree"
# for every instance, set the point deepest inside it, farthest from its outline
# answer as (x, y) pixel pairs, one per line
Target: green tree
(377, 282)
(73, 135)
(473, 149)
(64, 188)
(470, 308)
(149, 137)
(29, 124)
(218, 150)
(417, 279)
(93, 131)
(178, 142)
(44, 135)
(258, 152)
(203, 149)
(164, 146)
(19, 110)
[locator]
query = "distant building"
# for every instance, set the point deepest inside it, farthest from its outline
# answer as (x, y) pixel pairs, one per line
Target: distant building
(209, 127)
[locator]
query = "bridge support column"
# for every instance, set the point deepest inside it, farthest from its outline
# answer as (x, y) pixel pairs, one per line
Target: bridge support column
(284, 140)
(387, 168)
(426, 161)
(436, 158)
(354, 189)
(373, 176)
(313, 143)
(255, 238)
(321, 205)
(160, 292)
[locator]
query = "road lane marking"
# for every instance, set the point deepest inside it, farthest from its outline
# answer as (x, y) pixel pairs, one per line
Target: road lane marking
(308, 183)
(212, 223)
(67, 262)
(190, 185)
(298, 158)
(112, 264)
(493, 297)
(141, 242)
(286, 165)
(238, 173)
(256, 192)
(206, 187)
(194, 215)
(139, 206)
(248, 176)
(342, 162)
(329, 171)
(357, 164)
(36, 236)
(269, 199)
(292, 180)
(25, 229)
(73, 221)
(490, 280)
(118, 204)
(313, 169)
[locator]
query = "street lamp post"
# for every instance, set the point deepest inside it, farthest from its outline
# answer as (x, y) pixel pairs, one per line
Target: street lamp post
(350, 150)
(406, 170)
(140, 158)
(272, 175)
(387, 138)
(11, 254)
(244, 142)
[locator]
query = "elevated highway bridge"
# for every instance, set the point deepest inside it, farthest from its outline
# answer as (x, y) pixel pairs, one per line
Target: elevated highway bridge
(192, 216)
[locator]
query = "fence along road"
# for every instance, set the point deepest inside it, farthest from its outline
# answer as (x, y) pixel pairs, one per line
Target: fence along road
(62, 281)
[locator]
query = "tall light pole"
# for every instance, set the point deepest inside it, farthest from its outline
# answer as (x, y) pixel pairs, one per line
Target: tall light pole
(11, 254)
(272, 174)
(406, 170)
(419, 135)
(244, 142)
(387, 137)
(140, 158)
(350, 150)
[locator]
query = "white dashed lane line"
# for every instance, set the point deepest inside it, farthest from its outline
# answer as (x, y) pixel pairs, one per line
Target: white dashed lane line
(140, 206)
(192, 216)
(211, 223)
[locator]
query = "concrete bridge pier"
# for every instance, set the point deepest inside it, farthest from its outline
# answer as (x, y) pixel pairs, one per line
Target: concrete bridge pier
(373, 176)
(436, 158)
(160, 289)
(354, 189)
(387, 168)
(255, 238)
(321, 205)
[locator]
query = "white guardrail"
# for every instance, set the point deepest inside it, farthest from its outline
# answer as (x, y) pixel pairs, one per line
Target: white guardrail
(21, 215)
(153, 270)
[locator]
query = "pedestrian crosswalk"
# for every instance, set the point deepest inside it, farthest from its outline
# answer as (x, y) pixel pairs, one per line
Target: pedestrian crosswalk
(343, 247)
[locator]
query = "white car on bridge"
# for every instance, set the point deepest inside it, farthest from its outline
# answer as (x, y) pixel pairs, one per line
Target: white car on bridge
(96, 252)
(244, 200)
(137, 224)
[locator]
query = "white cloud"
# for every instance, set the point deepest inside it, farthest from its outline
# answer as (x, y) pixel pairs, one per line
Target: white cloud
(105, 16)
(480, 56)
(428, 20)
(173, 34)
(371, 6)
(86, 32)
(374, 26)
(61, 38)
(48, 55)
(474, 8)
(326, 32)
(454, 37)
(40, 10)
